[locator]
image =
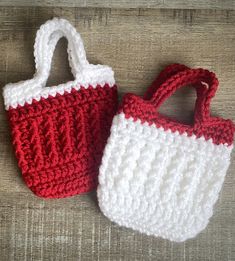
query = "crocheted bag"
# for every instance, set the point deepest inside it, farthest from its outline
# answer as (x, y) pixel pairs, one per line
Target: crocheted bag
(59, 132)
(159, 176)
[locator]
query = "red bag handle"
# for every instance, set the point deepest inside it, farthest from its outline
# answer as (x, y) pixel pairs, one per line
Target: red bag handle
(195, 77)
(169, 71)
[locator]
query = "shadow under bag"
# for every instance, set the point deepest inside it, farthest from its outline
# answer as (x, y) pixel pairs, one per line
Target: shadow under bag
(159, 176)
(59, 132)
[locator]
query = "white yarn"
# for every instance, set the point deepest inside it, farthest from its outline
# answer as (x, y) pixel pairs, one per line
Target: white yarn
(85, 74)
(158, 182)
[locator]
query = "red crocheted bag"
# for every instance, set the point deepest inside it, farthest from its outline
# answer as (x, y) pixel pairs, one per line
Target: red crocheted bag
(59, 132)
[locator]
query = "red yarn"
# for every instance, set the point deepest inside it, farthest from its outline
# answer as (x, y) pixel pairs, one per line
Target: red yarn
(175, 76)
(59, 141)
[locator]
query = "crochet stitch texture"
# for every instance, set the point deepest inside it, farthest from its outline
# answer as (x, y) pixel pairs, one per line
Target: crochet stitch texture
(159, 176)
(59, 132)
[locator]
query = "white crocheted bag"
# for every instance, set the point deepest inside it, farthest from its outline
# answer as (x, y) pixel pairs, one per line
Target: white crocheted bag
(159, 176)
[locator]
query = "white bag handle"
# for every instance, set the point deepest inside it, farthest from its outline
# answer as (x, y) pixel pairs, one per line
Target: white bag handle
(46, 40)
(85, 74)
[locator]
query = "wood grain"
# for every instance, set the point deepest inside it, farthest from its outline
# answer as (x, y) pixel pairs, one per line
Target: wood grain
(169, 4)
(137, 43)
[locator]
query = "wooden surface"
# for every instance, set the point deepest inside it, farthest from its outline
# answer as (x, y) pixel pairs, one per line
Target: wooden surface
(137, 43)
(176, 4)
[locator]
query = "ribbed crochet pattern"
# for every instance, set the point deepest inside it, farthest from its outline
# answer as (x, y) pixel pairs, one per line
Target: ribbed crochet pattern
(159, 176)
(59, 132)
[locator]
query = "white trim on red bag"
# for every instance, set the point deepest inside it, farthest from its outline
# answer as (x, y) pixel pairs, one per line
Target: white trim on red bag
(85, 74)
(159, 182)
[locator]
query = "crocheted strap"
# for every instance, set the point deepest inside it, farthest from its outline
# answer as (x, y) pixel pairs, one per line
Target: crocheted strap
(46, 40)
(193, 77)
(168, 72)
(85, 74)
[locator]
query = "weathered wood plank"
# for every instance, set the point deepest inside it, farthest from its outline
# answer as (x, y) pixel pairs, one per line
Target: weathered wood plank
(168, 4)
(137, 44)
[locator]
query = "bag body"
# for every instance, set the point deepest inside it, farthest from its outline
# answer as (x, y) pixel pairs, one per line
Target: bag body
(59, 132)
(159, 176)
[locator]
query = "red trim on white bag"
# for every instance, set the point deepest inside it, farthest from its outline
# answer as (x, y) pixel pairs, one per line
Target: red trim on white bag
(221, 131)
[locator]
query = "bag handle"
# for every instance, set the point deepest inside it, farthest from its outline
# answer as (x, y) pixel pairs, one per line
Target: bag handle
(186, 77)
(168, 71)
(46, 39)
(85, 74)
